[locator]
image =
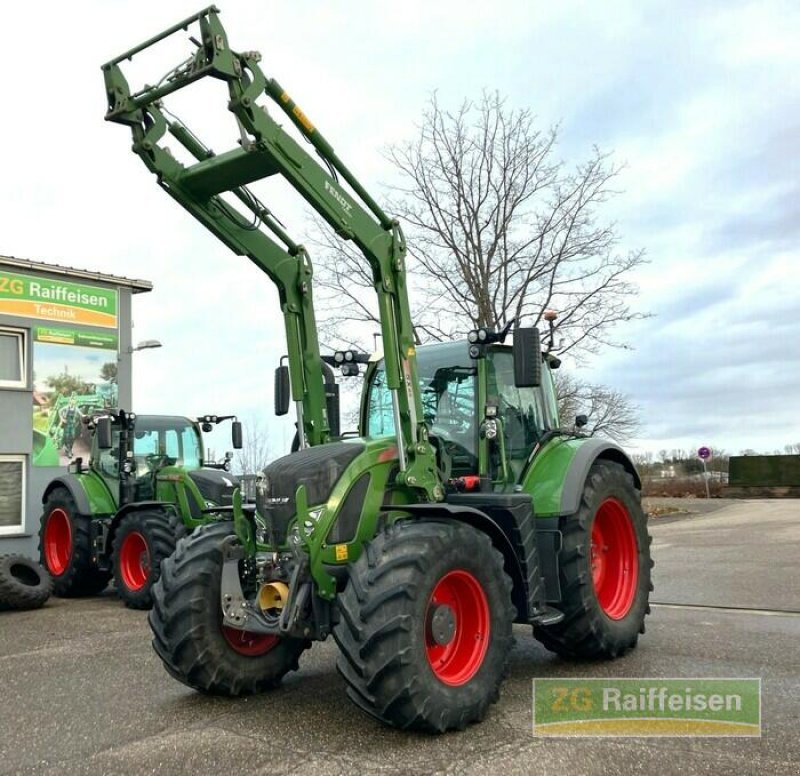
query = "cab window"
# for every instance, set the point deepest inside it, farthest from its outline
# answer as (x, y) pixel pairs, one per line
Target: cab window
(145, 443)
(448, 403)
(524, 412)
(448, 396)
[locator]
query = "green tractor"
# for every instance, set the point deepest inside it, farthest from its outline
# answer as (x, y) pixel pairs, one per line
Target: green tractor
(146, 486)
(460, 508)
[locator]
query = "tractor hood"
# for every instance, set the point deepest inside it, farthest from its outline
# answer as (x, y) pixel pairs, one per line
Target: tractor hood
(318, 468)
(215, 485)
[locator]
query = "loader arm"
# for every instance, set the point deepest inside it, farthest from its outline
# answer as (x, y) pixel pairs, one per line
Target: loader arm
(266, 149)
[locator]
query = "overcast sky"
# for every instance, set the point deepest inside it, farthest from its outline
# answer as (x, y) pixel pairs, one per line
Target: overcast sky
(700, 100)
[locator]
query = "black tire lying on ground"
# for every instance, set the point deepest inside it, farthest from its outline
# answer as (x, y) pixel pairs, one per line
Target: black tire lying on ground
(24, 584)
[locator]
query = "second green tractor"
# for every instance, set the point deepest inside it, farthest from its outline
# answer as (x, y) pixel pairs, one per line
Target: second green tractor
(118, 515)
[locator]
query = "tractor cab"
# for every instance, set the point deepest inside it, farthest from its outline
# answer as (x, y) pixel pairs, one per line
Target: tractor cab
(484, 427)
(139, 457)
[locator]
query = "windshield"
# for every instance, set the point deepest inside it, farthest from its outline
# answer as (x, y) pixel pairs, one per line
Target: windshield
(447, 380)
(448, 389)
(173, 437)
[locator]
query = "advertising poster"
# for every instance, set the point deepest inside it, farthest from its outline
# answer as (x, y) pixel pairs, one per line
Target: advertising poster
(75, 374)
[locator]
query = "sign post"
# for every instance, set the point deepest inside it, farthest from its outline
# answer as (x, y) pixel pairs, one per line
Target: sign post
(704, 454)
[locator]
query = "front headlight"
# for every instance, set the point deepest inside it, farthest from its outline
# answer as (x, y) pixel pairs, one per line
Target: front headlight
(310, 523)
(294, 536)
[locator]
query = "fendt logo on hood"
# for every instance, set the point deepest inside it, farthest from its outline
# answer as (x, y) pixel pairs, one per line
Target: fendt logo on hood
(339, 197)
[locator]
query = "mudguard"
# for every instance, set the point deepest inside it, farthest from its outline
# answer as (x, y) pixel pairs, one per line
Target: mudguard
(590, 451)
(558, 472)
(91, 496)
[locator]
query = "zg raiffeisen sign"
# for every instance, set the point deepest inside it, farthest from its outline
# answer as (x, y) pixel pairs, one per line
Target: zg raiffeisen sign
(29, 296)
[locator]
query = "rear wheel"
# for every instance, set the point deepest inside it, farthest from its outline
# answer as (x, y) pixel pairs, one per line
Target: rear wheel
(65, 547)
(188, 631)
(142, 540)
(425, 631)
(605, 569)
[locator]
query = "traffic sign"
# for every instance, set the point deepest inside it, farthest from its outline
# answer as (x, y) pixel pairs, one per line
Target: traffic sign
(704, 453)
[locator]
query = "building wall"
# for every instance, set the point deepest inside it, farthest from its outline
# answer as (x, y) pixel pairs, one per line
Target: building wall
(16, 416)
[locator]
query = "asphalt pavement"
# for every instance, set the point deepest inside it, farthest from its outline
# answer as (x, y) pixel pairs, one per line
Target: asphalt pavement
(82, 692)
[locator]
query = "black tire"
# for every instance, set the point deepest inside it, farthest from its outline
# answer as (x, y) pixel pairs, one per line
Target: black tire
(186, 620)
(65, 548)
(591, 629)
(24, 584)
(142, 540)
(386, 636)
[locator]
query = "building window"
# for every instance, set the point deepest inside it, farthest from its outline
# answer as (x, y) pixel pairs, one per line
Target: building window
(13, 352)
(12, 494)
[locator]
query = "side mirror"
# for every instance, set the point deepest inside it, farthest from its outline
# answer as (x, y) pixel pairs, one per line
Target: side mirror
(527, 358)
(581, 421)
(332, 398)
(282, 390)
(332, 395)
(102, 431)
(236, 434)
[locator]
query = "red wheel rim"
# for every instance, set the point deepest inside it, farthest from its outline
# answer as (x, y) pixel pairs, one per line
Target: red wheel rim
(134, 561)
(457, 661)
(57, 542)
(615, 559)
(248, 643)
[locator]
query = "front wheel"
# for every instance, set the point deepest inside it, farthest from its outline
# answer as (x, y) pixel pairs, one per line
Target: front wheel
(605, 569)
(142, 540)
(188, 631)
(425, 627)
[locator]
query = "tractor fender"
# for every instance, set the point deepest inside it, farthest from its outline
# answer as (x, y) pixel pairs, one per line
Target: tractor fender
(73, 484)
(484, 523)
(590, 451)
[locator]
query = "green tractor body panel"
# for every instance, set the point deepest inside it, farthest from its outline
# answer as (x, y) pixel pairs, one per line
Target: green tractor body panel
(332, 532)
(89, 490)
(102, 501)
(546, 475)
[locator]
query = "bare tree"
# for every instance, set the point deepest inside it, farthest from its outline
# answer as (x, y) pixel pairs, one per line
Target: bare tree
(610, 412)
(255, 453)
(498, 229)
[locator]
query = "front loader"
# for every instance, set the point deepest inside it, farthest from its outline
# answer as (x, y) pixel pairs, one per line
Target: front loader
(461, 507)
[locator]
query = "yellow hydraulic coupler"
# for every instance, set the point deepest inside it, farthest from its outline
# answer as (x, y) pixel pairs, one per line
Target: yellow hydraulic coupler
(273, 595)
